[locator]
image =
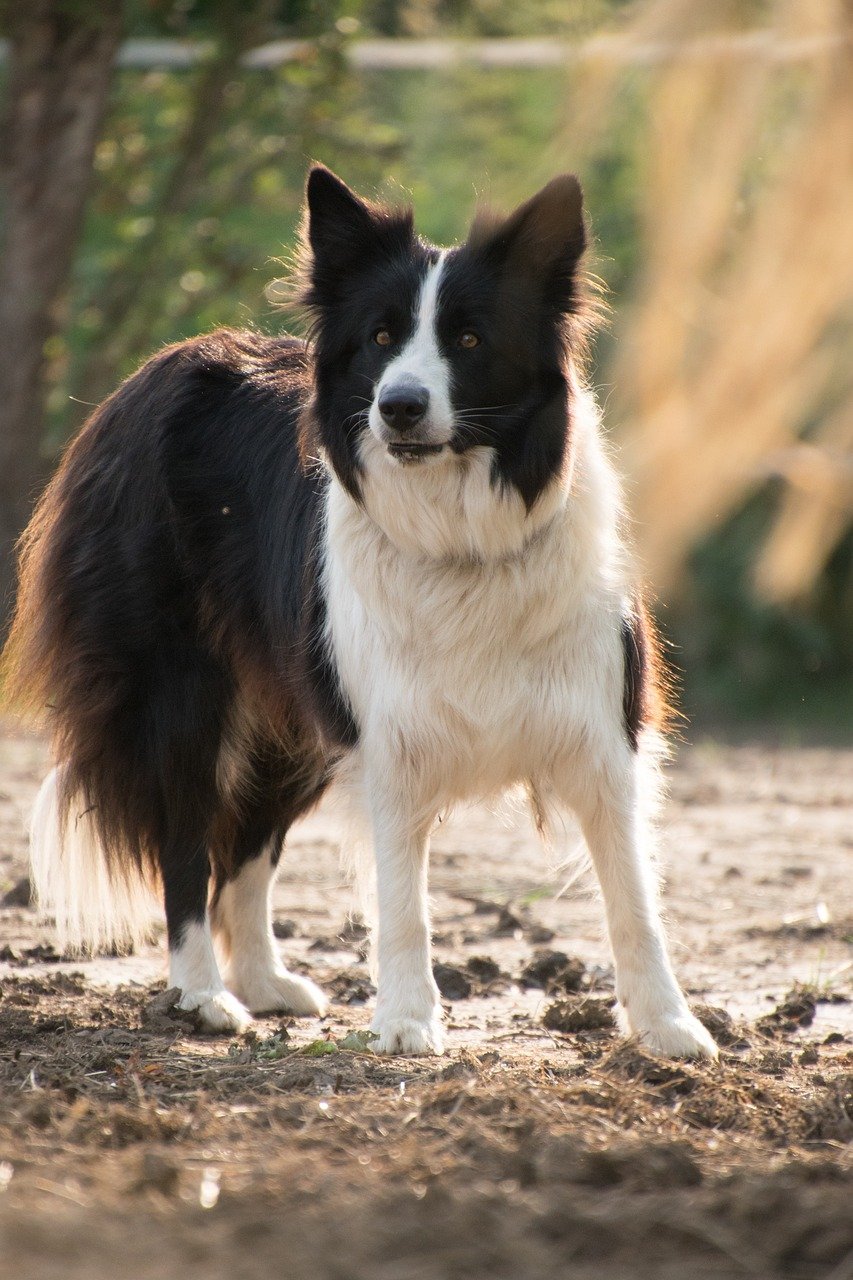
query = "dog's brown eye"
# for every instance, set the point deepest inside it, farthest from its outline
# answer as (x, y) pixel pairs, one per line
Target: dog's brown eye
(468, 340)
(382, 338)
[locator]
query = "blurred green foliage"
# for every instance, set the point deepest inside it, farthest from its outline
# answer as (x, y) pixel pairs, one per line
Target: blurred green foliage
(744, 660)
(197, 198)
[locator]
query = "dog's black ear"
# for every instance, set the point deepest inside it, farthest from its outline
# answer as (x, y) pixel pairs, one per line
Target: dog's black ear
(338, 220)
(551, 227)
(543, 239)
(342, 232)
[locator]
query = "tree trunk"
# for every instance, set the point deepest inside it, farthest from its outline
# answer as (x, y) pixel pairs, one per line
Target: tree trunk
(61, 59)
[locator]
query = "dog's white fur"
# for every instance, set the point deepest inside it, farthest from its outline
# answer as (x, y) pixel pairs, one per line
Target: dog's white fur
(242, 926)
(480, 647)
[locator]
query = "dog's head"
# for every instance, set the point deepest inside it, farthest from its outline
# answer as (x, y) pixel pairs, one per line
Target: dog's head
(422, 354)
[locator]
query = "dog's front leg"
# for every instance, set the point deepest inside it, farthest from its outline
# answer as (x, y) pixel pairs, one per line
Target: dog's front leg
(610, 800)
(408, 1009)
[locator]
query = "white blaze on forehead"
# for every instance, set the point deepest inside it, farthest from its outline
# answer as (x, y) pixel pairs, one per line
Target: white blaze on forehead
(421, 361)
(425, 330)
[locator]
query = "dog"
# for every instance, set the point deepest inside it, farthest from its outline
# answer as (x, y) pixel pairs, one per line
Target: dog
(390, 556)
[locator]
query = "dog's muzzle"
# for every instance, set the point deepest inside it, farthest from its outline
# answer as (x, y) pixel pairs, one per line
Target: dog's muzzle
(403, 409)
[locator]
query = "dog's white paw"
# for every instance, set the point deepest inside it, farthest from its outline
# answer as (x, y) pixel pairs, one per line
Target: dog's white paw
(679, 1036)
(281, 992)
(218, 1011)
(408, 1035)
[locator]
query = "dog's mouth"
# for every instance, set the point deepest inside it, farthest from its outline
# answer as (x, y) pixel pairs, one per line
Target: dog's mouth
(411, 451)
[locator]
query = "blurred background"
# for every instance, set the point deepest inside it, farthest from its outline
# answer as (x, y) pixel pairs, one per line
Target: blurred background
(151, 169)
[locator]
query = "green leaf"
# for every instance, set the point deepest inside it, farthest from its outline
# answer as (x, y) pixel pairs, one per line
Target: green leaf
(358, 1041)
(319, 1048)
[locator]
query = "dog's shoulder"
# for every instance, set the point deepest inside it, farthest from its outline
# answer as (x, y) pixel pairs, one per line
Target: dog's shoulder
(244, 353)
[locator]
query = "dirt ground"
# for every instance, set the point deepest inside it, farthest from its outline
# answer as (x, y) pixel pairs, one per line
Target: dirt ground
(541, 1146)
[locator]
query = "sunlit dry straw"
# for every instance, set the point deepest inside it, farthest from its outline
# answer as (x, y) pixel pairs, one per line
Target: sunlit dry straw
(739, 337)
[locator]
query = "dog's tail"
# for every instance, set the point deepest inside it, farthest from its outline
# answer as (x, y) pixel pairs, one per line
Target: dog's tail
(98, 903)
(84, 641)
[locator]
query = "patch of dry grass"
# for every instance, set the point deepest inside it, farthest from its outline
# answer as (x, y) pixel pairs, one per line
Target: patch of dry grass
(492, 1165)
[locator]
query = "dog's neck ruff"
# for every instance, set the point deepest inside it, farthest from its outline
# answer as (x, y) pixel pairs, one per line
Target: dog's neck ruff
(450, 510)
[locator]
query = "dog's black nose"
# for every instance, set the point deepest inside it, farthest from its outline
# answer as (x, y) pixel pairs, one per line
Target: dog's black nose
(402, 407)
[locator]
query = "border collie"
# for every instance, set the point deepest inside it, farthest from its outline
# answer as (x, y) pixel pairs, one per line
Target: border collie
(388, 556)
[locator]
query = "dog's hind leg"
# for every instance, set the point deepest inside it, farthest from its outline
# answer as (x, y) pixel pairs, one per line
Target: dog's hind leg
(177, 741)
(242, 920)
(267, 790)
(192, 961)
(609, 798)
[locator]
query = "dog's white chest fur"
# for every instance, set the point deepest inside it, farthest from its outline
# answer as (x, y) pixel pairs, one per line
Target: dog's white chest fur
(491, 669)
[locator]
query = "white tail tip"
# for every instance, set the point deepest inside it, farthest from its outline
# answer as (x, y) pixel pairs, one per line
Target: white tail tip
(96, 906)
